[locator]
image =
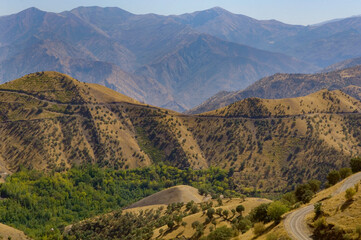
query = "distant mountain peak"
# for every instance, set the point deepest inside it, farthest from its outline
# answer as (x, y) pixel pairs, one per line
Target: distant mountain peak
(218, 10)
(114, 10)
(31, 10)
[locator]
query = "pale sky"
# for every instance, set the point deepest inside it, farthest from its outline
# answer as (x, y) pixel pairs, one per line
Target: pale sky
(288, 11)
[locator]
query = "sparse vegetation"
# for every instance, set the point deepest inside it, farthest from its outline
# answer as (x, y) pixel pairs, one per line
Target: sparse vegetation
(350, 192)
(259, 228)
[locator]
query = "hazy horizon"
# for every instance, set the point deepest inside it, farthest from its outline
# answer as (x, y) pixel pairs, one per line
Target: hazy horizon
(300, 12)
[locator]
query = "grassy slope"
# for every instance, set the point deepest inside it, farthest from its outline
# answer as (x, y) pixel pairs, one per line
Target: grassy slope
(337, 211)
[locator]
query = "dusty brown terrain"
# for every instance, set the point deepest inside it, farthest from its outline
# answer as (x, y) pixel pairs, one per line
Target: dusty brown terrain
(181, 193)
(7, 232)
(58, 122)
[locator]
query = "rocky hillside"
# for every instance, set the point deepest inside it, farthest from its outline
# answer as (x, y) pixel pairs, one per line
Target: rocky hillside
(51, 121)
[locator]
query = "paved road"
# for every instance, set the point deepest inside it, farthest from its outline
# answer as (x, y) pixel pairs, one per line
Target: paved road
(295, 223)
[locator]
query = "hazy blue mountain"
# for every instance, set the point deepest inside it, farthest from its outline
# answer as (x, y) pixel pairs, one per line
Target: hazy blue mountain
(157, 59)
(343, 64)
(321, 44)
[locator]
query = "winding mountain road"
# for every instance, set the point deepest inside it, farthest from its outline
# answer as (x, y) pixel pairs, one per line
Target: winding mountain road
(295, 223)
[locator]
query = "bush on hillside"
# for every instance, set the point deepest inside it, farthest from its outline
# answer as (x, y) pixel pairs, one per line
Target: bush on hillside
(345, 172)
(259, 214)
(259, 228)
(304, 193)
(333, 177)
(355, 164)
(350, 193)
(221, 233)
(275, 211)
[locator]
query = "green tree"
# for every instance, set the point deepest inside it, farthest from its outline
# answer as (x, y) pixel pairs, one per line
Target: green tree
(259, 214)
(345, 172)
(219, 201)
(240, 209)
(333, 177)
(210, 212)
(355, 164)
(276, 210)
(314, 185)
(170, 224)
(195, 224)
(225, 214)
(304, 193)
(221, 233)
(289, 198)
(243, 225)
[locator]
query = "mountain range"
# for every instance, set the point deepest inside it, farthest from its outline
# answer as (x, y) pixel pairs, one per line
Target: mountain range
(50, 121)
(290, 85)
(175, 62)
(321, 44)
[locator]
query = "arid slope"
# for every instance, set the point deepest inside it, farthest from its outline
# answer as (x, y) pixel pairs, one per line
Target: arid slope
(51, 121)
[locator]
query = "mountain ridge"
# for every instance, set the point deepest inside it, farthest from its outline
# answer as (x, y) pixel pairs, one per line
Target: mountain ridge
(292, 85)
(132, 44)
(83, 123)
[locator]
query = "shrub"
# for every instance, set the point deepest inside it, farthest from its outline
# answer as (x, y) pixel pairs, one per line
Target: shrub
(318, 209)
(240, 209)
(170, 224)
(355, 164)
(328, 231)
(225, 214)
(258, 228)
(345, 172)
(259, 214)
(243, 225)
(350, 193)
(221, 233)
(276, 210)
(358, 231)
(314, 185)
(333, 177)
(194, 209)
(219, 201)
(272, 236)
(304, 193)
(289, 198)
(210, 213)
